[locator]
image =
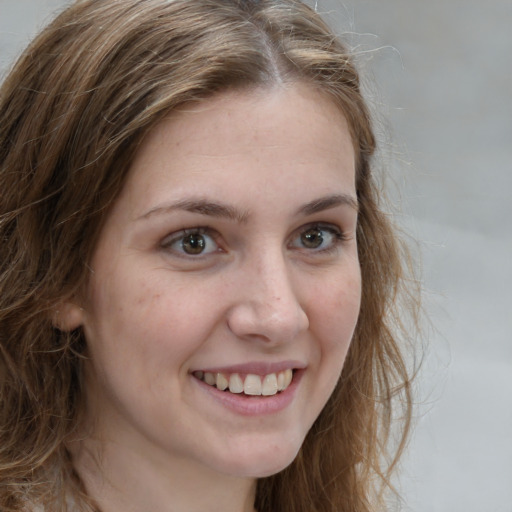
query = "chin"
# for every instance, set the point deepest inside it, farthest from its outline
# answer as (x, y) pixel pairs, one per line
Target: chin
(264, 459)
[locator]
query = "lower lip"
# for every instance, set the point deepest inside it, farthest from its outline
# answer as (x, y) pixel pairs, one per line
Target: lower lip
(247, 405)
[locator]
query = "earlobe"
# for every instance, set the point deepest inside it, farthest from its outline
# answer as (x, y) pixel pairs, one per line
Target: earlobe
(68, 316)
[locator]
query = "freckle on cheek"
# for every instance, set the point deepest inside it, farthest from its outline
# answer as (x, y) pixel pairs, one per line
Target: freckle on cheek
(145, 298)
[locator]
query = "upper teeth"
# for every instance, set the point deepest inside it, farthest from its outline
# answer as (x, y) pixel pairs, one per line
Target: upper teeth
(252, 384)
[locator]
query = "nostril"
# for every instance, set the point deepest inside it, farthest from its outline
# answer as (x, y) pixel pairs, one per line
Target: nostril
(278, 321)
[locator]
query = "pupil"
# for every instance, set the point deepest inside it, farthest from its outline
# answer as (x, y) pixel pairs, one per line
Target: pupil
(193, 244)
(312, 238)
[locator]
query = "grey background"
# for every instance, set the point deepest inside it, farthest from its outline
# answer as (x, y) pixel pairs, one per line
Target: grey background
(443, 71)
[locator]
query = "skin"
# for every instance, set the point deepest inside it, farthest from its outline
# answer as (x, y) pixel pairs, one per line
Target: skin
(257, 294)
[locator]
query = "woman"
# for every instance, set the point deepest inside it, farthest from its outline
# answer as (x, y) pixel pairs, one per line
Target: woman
(199, 291)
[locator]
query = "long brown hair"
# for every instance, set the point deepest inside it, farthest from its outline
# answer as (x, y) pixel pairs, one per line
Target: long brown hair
(72, 113)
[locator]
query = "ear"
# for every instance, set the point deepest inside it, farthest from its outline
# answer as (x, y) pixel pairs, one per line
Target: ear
(67, 316)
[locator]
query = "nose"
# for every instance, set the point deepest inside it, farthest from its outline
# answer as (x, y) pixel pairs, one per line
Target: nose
(267, 306)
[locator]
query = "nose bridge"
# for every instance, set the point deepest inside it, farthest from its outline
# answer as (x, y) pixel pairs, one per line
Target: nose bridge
(268, 306)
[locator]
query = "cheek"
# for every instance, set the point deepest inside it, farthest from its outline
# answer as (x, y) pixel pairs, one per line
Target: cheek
(335, 310)
(149, 316)
(333, 313)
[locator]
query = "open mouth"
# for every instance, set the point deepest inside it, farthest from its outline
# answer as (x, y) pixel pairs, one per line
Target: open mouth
(250, 384)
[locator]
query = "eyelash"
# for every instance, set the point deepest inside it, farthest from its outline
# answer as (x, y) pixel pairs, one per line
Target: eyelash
(178, 236)
(338, 237)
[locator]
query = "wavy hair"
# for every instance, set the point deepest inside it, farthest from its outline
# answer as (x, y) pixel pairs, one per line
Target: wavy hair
(73, 111)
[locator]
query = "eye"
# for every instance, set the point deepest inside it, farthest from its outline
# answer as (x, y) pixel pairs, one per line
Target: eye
(318, 238)
(191, 242)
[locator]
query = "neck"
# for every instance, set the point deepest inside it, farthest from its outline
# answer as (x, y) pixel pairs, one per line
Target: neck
(129, 481)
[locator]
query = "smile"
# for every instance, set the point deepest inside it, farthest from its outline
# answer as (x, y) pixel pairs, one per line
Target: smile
(254, 385)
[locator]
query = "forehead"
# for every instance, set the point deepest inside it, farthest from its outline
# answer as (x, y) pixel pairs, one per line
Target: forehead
(279, 139)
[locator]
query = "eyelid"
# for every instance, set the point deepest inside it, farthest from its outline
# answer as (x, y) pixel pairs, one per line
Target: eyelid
(333, 229)
(169, 240)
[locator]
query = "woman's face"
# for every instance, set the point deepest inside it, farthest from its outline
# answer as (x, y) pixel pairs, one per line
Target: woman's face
(229, 260)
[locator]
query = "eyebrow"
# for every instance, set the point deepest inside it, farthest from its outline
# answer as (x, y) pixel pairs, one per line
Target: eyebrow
(203, 207)
(221, 210)
(328, 202)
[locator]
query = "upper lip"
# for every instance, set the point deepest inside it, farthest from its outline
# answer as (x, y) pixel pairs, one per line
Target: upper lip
(255, 368)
